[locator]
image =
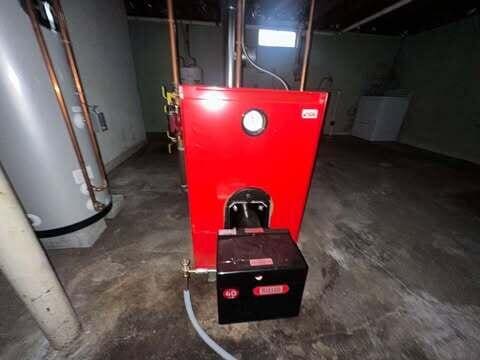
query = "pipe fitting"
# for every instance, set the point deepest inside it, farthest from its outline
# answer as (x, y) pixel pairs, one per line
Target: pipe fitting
(186, 268)
(98, 206)
(186, 272)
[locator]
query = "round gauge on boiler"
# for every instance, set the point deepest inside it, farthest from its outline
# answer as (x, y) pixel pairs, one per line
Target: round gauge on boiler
(254, 122)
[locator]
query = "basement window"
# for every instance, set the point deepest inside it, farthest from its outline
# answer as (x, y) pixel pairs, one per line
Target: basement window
(277, 38)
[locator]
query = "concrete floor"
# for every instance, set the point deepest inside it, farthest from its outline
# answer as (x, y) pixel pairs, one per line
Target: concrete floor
(391, 234)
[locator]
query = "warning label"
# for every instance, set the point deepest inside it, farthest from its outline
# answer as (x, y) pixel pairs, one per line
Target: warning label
(261, 262)
(309, 113)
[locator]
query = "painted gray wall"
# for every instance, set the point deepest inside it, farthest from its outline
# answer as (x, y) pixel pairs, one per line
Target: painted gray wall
(151, 52)
(441, 70)
(358, 63)
(354, 61)
(100, 38)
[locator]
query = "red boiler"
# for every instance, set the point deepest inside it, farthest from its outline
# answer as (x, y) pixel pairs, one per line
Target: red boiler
(249, 157)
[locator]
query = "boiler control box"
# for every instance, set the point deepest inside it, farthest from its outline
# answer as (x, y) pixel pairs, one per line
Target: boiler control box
(261, 275)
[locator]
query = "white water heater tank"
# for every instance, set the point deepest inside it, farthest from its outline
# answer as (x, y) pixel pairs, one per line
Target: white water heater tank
(35, 149)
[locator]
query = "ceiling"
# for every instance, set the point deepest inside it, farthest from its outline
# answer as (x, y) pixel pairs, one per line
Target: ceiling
(330, 15)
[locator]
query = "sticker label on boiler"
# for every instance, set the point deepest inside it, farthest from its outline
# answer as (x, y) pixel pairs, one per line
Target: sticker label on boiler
(309, 113)
(271, 290)
(261, 262)
(257, 230)
(230, 294)
(227, 232)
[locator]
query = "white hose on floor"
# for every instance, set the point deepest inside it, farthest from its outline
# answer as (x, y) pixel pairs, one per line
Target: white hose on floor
(215, 347)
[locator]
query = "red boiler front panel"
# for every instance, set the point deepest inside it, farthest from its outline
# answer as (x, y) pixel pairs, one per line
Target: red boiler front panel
(222, 158)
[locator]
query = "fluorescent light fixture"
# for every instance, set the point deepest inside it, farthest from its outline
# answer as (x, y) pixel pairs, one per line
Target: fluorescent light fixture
(277, 38)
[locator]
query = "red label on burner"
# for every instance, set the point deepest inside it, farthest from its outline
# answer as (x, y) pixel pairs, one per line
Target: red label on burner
(261, 262)
(271, 290)
(257, 230)
(231, 294)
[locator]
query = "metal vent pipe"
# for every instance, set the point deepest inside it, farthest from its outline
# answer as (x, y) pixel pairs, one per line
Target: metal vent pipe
(238, 45)
(230, 45)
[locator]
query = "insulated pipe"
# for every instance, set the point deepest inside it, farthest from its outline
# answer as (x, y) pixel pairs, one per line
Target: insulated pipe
(172, 34)
(238, 49)
(308, 40)
(67, 44)
(28, 270)
(385, 11)
(61, 103)
(229, 56)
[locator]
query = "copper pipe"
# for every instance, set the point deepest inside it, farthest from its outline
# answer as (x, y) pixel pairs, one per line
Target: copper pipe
(308, 40)
(61, 102)
(238, 49)
(67, 44)
(172, 34)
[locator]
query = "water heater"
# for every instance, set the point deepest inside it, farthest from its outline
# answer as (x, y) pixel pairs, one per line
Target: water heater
(35, 148)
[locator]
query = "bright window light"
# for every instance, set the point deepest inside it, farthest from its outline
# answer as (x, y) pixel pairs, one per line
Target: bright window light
(277, 38)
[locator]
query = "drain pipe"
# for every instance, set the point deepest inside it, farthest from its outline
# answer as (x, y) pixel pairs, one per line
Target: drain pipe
(191, 315)
(26, 267)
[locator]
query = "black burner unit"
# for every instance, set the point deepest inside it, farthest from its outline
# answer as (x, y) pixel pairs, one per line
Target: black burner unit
(260, 275)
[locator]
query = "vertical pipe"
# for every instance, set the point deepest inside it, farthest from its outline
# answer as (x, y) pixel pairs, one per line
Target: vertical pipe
(28, 270)
(172, 34)
(229, 66)
(238, 49)
(61, 103)
(173, 52)
(80, 91)
(308, 40)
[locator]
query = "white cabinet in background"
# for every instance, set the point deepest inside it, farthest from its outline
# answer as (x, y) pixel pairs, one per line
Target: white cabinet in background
(379, 118)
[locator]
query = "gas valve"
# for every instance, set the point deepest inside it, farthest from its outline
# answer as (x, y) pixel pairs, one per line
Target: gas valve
(173, 120)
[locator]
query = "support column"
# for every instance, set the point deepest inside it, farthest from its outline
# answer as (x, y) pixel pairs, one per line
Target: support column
(25, 265)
